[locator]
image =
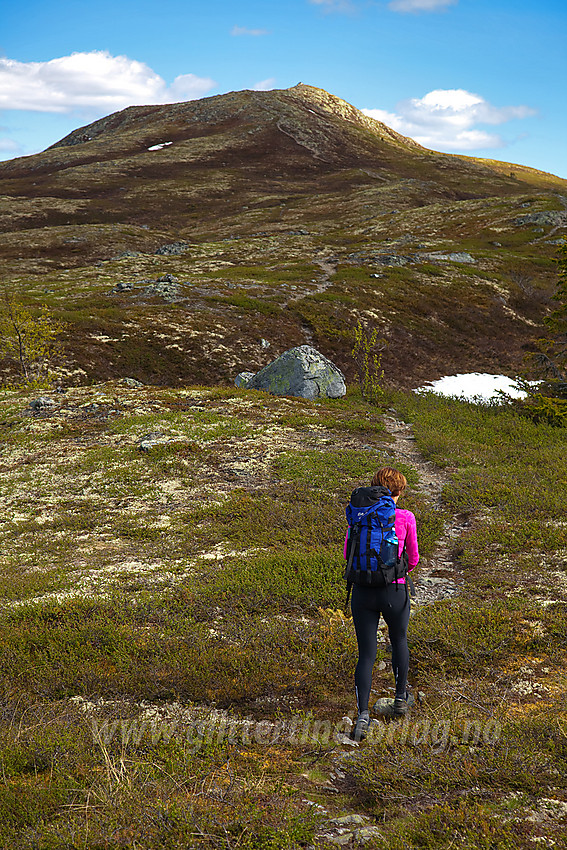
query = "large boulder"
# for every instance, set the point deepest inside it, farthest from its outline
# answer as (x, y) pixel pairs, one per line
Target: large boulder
(303, 372)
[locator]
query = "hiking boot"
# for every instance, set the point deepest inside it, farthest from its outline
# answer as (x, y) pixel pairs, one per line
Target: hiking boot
(360, 730)
(402, 703)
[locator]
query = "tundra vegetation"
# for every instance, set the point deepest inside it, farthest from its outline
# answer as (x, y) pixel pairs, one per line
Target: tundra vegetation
(151, 595)
(174, 659)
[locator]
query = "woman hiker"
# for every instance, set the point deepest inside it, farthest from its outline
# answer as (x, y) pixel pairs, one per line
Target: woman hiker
(392, 601)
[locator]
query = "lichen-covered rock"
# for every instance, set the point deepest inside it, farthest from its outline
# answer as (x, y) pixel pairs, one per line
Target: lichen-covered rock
(173, 248)
(164, 287)
(41, 403)
(152, 439)
(452, 257)
(302, 371)
(553, 218)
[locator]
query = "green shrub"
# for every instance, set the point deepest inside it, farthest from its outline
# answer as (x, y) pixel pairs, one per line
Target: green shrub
(543, 409)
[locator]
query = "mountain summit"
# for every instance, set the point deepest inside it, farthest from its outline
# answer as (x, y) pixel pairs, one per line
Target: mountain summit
(291, 215)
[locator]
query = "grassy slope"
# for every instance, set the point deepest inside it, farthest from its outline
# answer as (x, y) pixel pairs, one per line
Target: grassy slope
(204, 574)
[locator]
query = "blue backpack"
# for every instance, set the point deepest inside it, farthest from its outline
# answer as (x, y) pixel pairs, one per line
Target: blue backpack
(372, 544)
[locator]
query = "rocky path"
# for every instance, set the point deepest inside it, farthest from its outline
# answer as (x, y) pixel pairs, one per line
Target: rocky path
(324, 281)
(435, 576)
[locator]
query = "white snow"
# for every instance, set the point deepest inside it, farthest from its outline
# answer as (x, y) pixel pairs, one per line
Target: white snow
(474, 386)
(160, 146)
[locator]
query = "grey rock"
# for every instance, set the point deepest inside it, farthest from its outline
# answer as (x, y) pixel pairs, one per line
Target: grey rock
(347, 820)
(550, 218)
(243, 378)
(453, 257)
(341, 840)
(173, 248)
(122, 287)
(302, 371)
(153, 439)
(41, 403)
(383, 259)
(384, 706)
(366, 834)
(264, 343)
(125, 255)
(130, 382)
(388, 259)
(392, 259)
(165, 287)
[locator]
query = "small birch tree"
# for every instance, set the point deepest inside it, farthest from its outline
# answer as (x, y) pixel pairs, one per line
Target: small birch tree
(367, 355)
(31, 341)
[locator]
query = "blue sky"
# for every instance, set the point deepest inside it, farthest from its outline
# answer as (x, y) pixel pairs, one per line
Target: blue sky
(463, 76)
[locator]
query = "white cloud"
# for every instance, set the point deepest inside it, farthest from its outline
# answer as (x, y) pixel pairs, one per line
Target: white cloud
(447, 119)
(188, 87)
(95, 80)
(9, 146)
(420, 5)
(245, 31)
(334, 5)
(264, 85)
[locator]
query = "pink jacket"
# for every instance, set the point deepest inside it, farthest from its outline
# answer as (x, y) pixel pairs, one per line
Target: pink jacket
(406, 532)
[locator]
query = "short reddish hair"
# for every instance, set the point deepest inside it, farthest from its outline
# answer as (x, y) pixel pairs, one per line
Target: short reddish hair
(391, 478)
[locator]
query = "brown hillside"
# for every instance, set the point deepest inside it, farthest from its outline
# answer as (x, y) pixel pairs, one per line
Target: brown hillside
(300, 215)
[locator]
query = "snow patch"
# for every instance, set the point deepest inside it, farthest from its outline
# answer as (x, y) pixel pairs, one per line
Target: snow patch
(474, 386)
(160, 146)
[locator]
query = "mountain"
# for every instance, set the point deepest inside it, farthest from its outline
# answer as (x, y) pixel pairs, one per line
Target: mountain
(286, 216)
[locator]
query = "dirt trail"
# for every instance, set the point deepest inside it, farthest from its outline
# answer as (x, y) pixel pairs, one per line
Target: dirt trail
(323, 283)
(435, 576)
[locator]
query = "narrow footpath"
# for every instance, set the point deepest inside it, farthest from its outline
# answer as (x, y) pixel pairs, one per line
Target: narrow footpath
(435, 576)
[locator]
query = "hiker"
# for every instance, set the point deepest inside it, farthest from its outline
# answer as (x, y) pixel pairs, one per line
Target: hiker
(369, 599)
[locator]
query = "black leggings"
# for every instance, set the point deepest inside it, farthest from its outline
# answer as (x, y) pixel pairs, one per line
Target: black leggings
(367, 604)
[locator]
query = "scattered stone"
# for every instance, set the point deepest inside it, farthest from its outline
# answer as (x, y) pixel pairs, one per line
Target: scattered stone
(549, 218)
(129, 382)
(302, 371)
(348, 830)
(384, 707)
(366, 834)
(453, 257)
(122, 287)
(125, 255)
(243, 378)
(340, 839)
(392, 259)
(298, 232)
(153, 439)
(347, 820)
(41, 403)
(165, 287)
(173, 249)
